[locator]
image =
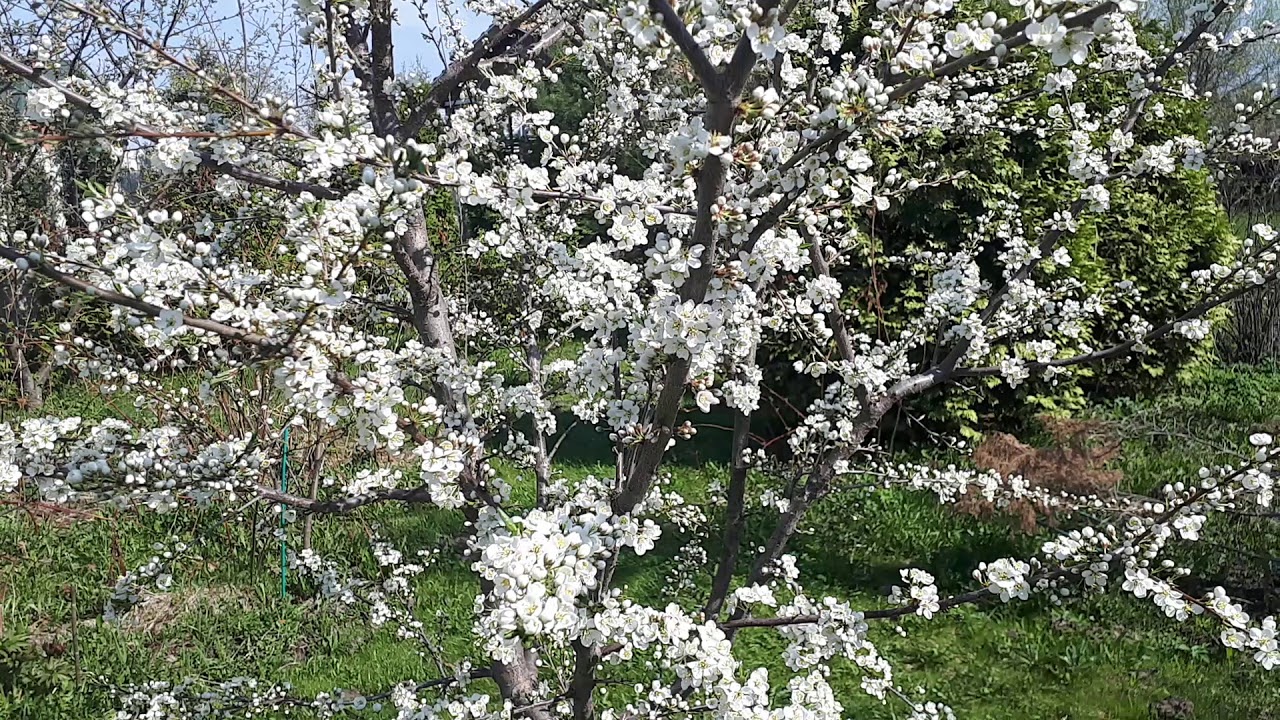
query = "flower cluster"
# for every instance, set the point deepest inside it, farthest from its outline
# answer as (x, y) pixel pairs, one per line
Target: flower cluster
(67, 459)
(921, 592)
(156, 572)
(1006, 578)
(543, 566)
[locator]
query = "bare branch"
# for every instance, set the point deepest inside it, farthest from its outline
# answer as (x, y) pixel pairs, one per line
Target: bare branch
(345, 505)
(465, 69)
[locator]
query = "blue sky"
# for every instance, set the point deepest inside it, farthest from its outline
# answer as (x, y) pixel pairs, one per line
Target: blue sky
(412, 51)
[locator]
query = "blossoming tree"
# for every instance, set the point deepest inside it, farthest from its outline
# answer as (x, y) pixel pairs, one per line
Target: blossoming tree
(748, 181)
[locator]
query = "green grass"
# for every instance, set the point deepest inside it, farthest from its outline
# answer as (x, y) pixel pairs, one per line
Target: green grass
(1104, 657)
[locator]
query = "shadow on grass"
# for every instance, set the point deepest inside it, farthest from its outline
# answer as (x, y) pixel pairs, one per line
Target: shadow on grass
(581, 444)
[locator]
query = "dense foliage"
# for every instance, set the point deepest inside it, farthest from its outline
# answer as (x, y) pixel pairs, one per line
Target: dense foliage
(1156, 234)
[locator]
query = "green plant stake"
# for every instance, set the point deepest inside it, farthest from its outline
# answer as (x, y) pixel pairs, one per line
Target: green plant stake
(284, 488)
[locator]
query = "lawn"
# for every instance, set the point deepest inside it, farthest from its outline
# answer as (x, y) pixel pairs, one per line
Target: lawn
(1101, 657)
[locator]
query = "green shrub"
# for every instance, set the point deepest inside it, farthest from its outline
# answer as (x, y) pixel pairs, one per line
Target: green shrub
(1157, 231)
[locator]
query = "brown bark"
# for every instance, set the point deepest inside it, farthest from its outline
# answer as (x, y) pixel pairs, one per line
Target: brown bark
(17, 312)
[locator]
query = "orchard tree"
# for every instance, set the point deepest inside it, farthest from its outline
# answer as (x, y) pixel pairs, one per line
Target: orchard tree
(40, 179)
(706, 202)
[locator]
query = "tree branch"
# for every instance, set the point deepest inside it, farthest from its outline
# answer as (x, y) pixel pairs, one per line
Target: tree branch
(734, 514)
(343, 506)
(465, 69)
(292, 187)
(1124, 347)
(901, 85)
(43, 268)
(703, 70)
(949, 603)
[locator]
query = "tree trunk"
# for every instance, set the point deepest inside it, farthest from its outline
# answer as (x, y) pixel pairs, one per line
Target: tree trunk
(518, 681)
(17, 312)
(30, 394)
(416, 258)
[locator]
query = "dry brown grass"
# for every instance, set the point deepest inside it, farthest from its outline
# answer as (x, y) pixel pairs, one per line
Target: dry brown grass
(153, 615)
(158, 611)
(1075, 464)
(39, 512)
